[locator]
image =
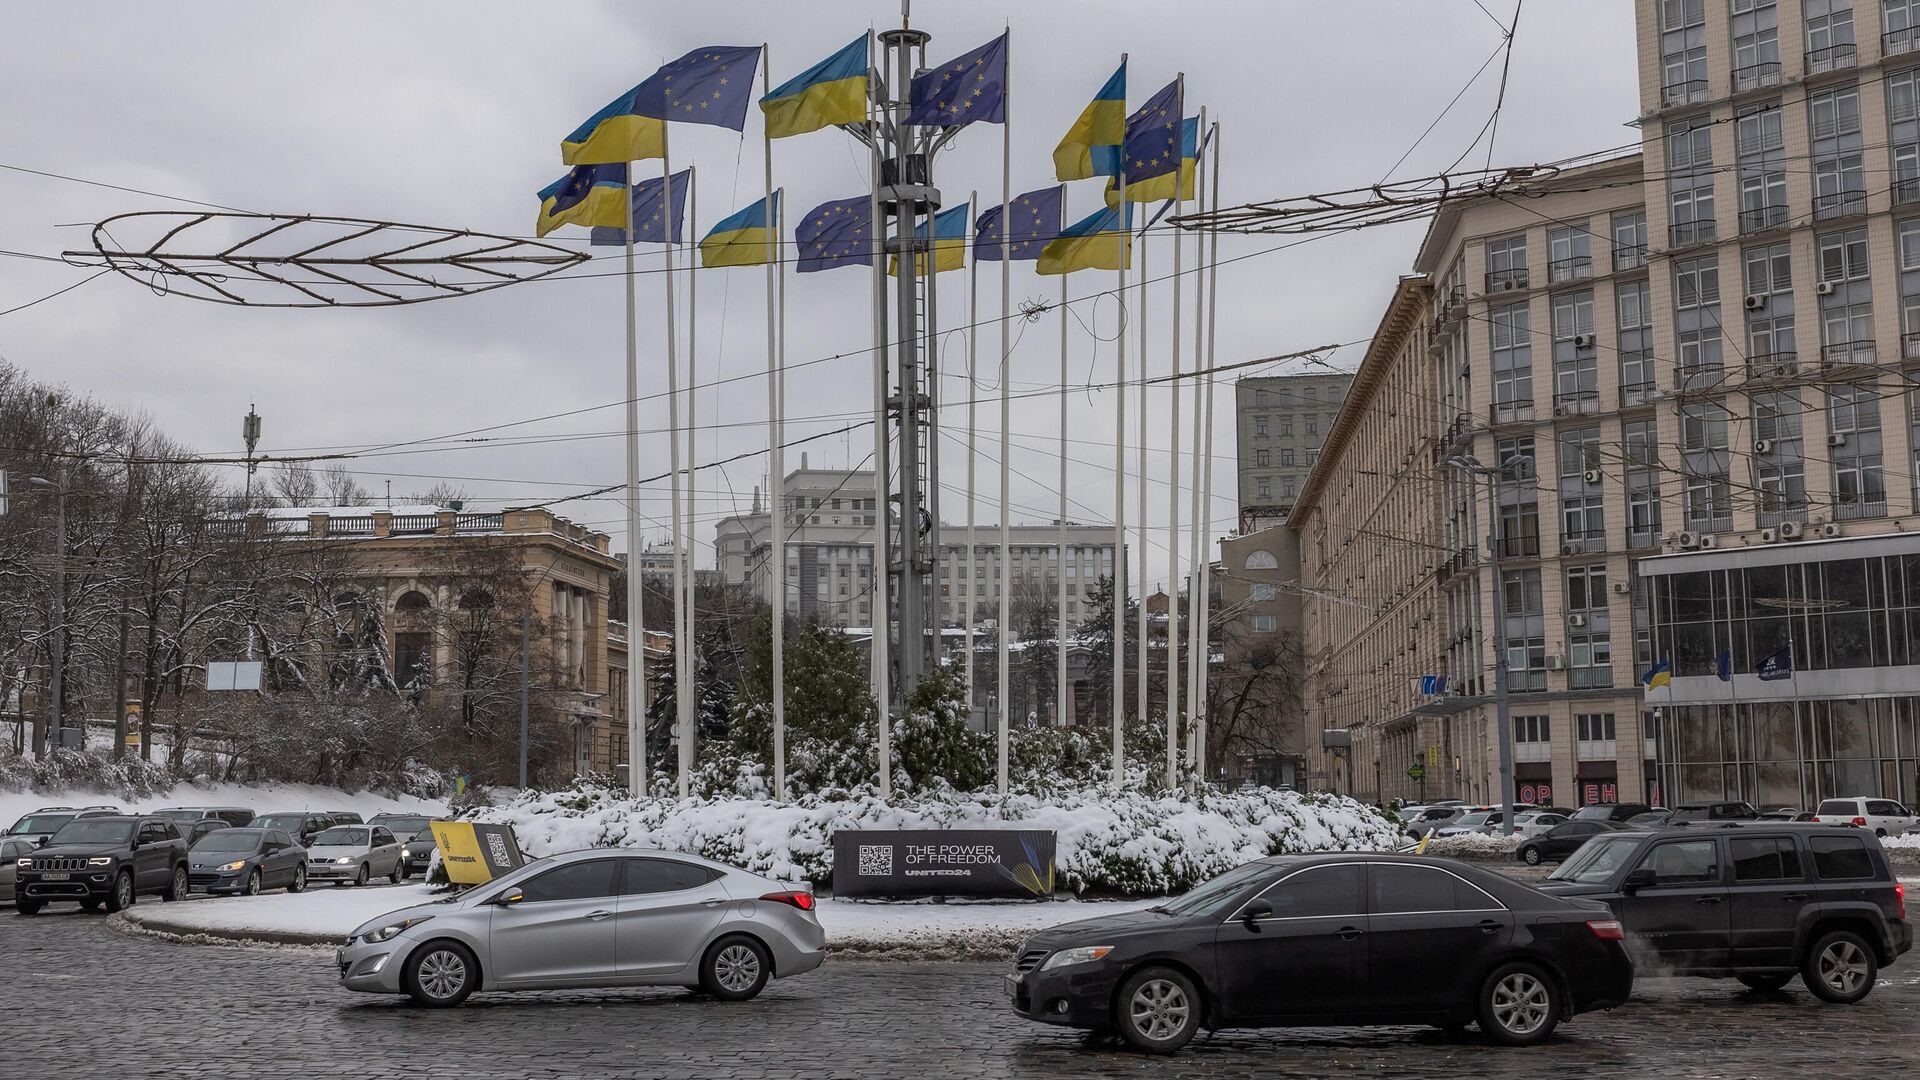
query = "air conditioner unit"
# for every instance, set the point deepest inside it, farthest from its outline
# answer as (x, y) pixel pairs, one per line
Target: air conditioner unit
(1763, 446)
(1591, 476)
(1823, 288)
(1622, 588)
(1688, 540)
(1838, 438)
(1756, 301)
(1576, 620)
(1707, 541)
(1583, 341)
(1569, 549)
(1768, 536)
(1556, 662)
(1791, 530)
(1562, 410)
(1509, 284)
(1830, 529)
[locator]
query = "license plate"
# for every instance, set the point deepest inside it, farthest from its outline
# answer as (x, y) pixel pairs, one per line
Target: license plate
(55, 877)
(1013, 986)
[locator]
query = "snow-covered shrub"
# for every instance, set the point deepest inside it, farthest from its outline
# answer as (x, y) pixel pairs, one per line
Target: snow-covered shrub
(1476, 847)
(61, 770)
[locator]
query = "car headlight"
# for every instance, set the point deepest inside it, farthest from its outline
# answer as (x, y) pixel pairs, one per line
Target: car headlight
(344, 860)
(100, 860)
(392, 930)
(406, 853)
(23, 864)
(237, 864)
(1086, 954)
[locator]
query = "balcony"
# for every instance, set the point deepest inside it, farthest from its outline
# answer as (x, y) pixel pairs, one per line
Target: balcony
(1762, 219)
(1848, 508)
(1596, 749)
(1755, 76)
(1839, 204)
(1591, 678)
(1774, 365)
(1689, 92)
(1698, 378)
(1576, 402)
(1910, 346)
(1628, 256)
(1583, 542)
(1906, 192)
(1532, 751)
(1525, 546)
(1512, 279)
(1640, 539)
(1767, 518)
(1900, 42)
(1841, 353)
(1572, 268)
(1510, 412)
(1686, 234)
(1832, 58)
(1639, 393)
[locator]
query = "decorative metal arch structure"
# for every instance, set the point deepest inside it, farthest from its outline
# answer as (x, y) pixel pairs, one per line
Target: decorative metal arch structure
(1365, 207)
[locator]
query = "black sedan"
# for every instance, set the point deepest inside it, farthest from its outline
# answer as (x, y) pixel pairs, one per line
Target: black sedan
(1330, 940)
(1562, 840)
(246, 861)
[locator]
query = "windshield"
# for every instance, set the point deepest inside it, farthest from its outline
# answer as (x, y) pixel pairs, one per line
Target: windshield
(1689, 813)
(41, 823)
(1593, 813)
(180, 815)
(1470, 820)
(341, 837)
(227, 840)
(403, 825)
(1596, 861)
(1837, 808)
(94, 831)
(1217, 890)
(289, 822)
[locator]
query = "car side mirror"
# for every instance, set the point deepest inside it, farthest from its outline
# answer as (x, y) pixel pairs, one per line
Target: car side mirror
(1639, 877)
(1255, 910)
(509, 898)
(43, 841)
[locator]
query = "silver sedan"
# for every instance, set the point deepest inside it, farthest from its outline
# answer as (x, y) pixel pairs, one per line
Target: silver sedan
(596, 918)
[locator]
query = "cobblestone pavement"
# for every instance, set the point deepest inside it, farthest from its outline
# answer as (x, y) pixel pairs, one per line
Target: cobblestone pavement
(82, 1000)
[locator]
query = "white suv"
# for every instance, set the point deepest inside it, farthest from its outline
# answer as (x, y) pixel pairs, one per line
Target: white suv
(1884, 816)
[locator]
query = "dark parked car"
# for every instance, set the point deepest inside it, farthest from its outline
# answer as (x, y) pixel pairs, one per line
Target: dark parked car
(415, 836)
(1760, 902)
(1330, 940)
(246, 861)
(1652, 819)
(1611, 811)
(1689, 813)
(1562, 840)
(344, 817)
(303, 827)
(104, 860)
(39, 826)
(11, 851)
(182, 816)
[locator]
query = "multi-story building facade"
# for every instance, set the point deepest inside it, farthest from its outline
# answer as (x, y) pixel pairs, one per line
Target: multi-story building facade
(1279, 424)
(829, 552)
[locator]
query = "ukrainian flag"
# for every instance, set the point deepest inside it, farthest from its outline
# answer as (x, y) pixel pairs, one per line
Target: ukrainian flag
(616, 133)
(833, 91)
(745, 239)
(949, 242)
(1158, 188)
(587, 195)
(1100, 242)
(1103, 123)
(1660, 675)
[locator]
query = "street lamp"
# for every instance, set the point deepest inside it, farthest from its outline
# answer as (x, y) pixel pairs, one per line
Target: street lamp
(1503, 719)
(58, 652)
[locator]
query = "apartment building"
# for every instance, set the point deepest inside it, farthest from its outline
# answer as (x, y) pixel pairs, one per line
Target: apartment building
(1279, 423)
(829, 552)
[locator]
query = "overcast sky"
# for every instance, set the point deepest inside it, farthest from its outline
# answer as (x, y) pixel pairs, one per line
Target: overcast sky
(451, 114)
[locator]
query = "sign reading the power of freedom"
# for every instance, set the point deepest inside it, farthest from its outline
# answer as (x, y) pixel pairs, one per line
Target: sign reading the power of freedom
(1007, 863)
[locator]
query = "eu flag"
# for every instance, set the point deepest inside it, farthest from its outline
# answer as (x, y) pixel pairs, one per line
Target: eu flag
(653, 216)
(838, 233)
(1153, 136)
(967, 89)
(706, 86)
(1036, 220)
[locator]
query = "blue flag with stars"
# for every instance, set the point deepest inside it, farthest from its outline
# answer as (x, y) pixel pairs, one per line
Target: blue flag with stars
(707, 86)
(838, 233)
(1036, 220)
(1153, 138)
(971, 88)
(652, 215)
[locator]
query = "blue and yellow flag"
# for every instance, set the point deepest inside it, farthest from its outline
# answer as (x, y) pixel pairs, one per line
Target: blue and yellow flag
(969, 89)
(1103, 123)
(949, 242)
(1153, 137)
(745, 239)
(587, 195)
(1661, 674)
(1157, 188)
(1100, 242)
(1036, 220)
(833, 91)
(656, 220)
(617, 133)
(838, 233)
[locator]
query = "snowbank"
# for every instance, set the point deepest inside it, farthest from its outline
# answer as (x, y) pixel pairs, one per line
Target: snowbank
(1109, 841)
(261, 798)
(1475, 847)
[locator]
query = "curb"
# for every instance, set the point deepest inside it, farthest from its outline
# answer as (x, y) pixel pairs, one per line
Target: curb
(139, 922)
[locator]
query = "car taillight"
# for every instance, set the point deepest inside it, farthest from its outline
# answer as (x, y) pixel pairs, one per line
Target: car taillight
(1859, 823)
(1606, 929)
(802, 900)
(1899, 900)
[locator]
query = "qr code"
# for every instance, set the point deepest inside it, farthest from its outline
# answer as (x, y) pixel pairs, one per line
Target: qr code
(876, 860)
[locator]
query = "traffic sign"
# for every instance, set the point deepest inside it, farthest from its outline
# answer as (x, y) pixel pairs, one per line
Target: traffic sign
(1416, 771)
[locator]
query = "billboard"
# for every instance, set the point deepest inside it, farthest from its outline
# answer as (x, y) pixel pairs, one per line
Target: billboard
(1004, 863)
(475, 854)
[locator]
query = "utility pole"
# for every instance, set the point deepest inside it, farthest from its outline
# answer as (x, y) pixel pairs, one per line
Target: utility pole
(526, 677)
(1503, 719)
(250, 431)
(58, 648)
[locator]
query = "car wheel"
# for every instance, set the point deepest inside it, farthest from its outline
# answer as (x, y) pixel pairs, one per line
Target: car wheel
(1766, 982)
(441, 975)
(1881, 833)
(253, 883)
(1519, 1004)
(365, 875)
(1839, 968)
(122, 896)
(25, 906)
(1157, 1010)
(1530, 855)
(299, 881)
(399, 875)
(176, 885)
(89, 904)
(736, 968)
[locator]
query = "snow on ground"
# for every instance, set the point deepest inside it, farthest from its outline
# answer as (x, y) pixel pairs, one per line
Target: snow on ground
(261, 798)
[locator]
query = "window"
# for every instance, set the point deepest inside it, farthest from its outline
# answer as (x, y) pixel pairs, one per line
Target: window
(1761, 151)
(1840, 857)
(1512, 359)
(1286, 456)
(1587, 588)
(1703, 427)
(1265, 487)
(1634, 333)
(1756, 44)
(1507, 263)
(575, 881)
(1286, 425)
(1690, 184)
(1696, 282)
(1313, 424)
(1260, 425)
(1319, 892)
(1266, 624)
(1683, 51)
(1569, 256)
(645, 876)
(1683, 862)
(1629, 240)
(1594, 727)
(1313, 394)
(1260, 398)
(412, 600)
(1902, 20)
(1405, 890)
(1640, 441)
(1830, 42)
(1260, 459)
(1834, 112)
(1532, 729)
(1768, 858)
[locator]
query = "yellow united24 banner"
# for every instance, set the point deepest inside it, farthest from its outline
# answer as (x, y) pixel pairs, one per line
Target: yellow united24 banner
(475, 854)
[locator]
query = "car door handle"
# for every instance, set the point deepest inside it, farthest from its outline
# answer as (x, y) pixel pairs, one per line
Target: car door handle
(596, 916)
(711, 903)
(1793, 898)
(1348, 933)
(1488, 926)
(1708, 899)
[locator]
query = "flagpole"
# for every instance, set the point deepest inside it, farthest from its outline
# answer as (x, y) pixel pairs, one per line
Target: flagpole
(1197, 529)
(1120, 482)
(776, 457)
(968, 583)
(1140, 490)
(877, 650)
(1205, 632)
(636, 595)
(1060, 646)
(679, 526)
(689, 701)
(1173, 486)
(1005, 630)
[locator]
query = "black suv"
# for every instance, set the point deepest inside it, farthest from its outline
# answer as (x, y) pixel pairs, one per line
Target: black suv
(104, 860)
(1758, 902)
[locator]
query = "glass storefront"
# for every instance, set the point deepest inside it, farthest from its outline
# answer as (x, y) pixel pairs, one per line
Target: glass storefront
(1788, 753)
(1842, 613)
